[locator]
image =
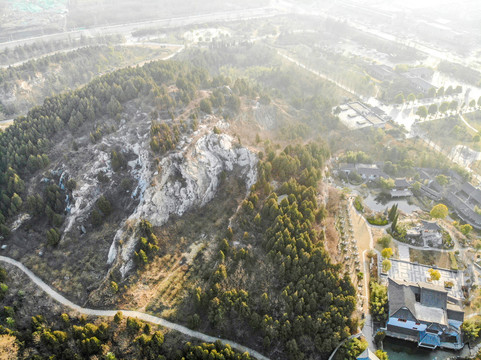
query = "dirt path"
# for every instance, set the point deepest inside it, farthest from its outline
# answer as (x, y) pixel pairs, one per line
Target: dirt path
(136, 314)
(365, 242)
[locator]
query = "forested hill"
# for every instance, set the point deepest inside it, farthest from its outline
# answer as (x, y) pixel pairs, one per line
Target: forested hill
(26, 85)
(81, 151)
(264, 280)
(270, 280)
(24, 146)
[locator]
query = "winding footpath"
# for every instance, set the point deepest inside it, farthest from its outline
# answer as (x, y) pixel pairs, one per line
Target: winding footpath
(466, 123)
(342, 343)
(136, 314)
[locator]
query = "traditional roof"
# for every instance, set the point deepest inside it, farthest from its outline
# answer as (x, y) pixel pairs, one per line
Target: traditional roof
(381, 72)
(467, 188)
(475, 193)
(377, 111)
(401, 183)
(400, 295)
(400, 193)
(431, 305)
(422, 72)
(455, 175)
(435, 186)
(424, 175)
(420, 83)
(462, 210)
(363, 170)
(433, 194)
(430, 225)
(347, 167)
(368, 171)
(429, 286)
(367, 355)
(430, 314)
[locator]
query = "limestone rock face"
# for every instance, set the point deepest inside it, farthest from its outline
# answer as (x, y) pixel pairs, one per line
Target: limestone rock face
(189, 178)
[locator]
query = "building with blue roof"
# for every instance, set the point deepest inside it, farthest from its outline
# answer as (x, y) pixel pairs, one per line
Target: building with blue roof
(425, 314)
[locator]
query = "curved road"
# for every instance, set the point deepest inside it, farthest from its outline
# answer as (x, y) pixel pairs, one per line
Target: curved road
(136, 314)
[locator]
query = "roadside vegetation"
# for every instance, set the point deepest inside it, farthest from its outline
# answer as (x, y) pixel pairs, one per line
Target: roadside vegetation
(28, 84)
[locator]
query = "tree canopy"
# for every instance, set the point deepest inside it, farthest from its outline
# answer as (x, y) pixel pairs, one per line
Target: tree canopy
(439, 211)
(434, 274)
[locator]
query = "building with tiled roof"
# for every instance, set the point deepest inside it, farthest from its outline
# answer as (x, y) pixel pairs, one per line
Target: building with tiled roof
(424, 313)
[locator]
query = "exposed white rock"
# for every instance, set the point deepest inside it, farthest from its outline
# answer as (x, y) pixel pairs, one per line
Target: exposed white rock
(133, 136)
(189, 178)
(87, 192)
(19, 221)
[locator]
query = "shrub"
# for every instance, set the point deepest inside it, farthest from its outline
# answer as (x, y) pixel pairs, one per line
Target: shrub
(377, 220)
(358, 204)
(384, 241)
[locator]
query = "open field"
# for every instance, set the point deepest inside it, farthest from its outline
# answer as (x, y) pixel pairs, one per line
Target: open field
(427, 257)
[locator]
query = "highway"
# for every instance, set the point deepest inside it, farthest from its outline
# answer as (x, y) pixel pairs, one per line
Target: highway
(127, 29)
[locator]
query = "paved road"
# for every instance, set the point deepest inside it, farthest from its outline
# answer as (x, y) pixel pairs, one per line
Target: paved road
(128, 28)
(136, 314)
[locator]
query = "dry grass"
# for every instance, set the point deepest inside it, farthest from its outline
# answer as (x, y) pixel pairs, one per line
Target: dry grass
(5, 124)
(8, 347)
(154, 279)
(332, 240)
(427, 257)
(161, 285)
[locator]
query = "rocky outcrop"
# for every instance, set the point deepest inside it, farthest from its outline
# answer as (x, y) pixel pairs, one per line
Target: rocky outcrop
(189, 178)
(133, 136)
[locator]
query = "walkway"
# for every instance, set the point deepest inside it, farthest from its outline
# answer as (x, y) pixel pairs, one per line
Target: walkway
(363, 230)
(136, 314)
(466, 123)
(319, 74)
(362, 234)
(403, 250)
(342, 343)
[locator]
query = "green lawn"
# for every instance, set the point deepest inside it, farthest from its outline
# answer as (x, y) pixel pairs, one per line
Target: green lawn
(449, 132)
(474, 119)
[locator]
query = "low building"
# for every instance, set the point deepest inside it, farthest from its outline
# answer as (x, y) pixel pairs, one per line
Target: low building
(366, 171)
(420, 72)
(425, 314)
(471, 194)
(463, 209)
(429, 233)
(347, 168)
(367, 355)
(356, 115)
(431, 193)
(371, 173)
(401, 189)
(419, 84)
(381, 72)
